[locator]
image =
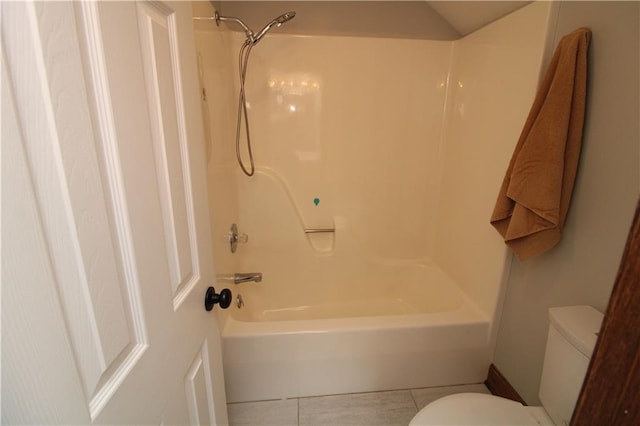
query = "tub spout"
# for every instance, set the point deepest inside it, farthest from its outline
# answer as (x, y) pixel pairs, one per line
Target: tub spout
(246, 277)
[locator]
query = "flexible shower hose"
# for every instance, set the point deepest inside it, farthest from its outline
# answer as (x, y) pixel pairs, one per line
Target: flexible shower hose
(243, 59)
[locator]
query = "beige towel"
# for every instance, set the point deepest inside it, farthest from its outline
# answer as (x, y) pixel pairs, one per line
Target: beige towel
(536, 191)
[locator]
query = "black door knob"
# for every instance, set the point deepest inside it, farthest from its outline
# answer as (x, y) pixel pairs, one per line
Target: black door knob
(211, 298)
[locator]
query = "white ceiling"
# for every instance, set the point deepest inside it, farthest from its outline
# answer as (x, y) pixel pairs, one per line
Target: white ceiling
(468, 16)
(436, 20)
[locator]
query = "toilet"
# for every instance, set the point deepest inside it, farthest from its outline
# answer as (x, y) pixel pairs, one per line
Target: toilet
(570, 342)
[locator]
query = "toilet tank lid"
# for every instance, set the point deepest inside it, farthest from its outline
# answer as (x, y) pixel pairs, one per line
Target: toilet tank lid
(579, 325)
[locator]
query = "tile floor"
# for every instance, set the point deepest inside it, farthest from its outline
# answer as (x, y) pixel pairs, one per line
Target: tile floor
(391, 408)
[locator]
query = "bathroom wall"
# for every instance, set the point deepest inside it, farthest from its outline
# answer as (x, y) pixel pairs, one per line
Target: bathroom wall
(582, 268)
(494, 76)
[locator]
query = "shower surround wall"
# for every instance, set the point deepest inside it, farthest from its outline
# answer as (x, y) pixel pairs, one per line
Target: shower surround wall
(355, 123)
(400, 145)
(494, 76)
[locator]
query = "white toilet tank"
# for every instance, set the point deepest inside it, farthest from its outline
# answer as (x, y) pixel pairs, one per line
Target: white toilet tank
(570, 342)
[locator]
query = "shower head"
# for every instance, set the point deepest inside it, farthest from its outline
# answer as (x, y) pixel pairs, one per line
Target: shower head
(276, 22)
(250, 36)
(285, 17)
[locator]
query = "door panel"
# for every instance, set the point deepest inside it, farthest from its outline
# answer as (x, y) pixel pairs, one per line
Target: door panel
(199, 388)
(86, 264)
(158, 34)
(27, 272)
(103, 171)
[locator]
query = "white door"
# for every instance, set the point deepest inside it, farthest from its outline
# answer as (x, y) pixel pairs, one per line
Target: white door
(106, 251)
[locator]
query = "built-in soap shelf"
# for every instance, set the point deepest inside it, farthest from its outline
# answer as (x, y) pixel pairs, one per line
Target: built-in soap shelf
(319, 230)
(319, 227)
(322, 240)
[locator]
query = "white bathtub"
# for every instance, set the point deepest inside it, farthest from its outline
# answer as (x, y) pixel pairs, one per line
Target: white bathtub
(411, 328)
(404, 166)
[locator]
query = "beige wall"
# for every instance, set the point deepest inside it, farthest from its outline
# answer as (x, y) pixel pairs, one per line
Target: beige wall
(582, 268)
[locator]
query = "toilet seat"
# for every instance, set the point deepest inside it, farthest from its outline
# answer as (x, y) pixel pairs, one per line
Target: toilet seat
(479, 409)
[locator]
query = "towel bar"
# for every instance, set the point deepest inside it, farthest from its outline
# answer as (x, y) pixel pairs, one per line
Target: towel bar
(318, 230)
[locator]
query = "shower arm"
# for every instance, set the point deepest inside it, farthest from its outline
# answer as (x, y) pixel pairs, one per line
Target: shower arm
(246, 29)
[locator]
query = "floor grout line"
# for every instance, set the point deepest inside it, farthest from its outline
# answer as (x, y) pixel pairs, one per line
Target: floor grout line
(364, 393)
(413, 398)
(358, 393)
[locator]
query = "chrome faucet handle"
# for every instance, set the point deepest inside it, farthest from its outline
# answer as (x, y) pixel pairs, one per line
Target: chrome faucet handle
(235, 237)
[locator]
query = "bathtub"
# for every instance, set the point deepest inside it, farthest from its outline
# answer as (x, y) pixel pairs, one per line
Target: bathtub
(411, 328)
(403, 162)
